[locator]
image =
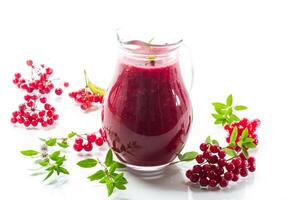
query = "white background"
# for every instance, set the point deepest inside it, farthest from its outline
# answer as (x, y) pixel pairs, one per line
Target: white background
(247, 48)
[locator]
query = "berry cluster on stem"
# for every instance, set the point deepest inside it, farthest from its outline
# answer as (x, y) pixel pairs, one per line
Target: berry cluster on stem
(35, 110)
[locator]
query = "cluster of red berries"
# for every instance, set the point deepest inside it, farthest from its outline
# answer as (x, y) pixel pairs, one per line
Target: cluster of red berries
(35, 110)
(241, 125)
(79, 144)
(86, 98)
(40, 80)
(214, 170)
(28, 114)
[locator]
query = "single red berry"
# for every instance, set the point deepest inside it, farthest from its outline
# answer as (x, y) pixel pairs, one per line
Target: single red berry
(34, 123)
(251, 160)
(77, 147)
(252, 168)
(236, 162)
(66, 84)
(78, 140)
(29, 63)
(13, 120)
(27, 97)
(99, 141)
(203, 147)
(213, 159)
(197, 169)
(228, 176)
(27, 123)
(223, 183)
(50, 121)
(55, 117)
(212, 183)
(243, 172)
(199, 158)
(47, 106)
(42, 113)
(58, 91)
(229, 167)
(222, 162)
(17, 75)
(221, 154)
(189, 173)
(43, 100)
(91, 138)
(88, 147)
(206, 167)
(236, 171)
(214, 148)
(194, 178)
(235, 177)
(49, 71)
(44, 124)
(203, 182)
(206, 155)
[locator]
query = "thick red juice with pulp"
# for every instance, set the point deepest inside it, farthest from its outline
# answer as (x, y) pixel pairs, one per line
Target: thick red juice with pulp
(147, 113)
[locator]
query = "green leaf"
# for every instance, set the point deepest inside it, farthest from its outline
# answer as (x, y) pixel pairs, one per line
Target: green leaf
(233, 135)
(219, 121)
(208, 140)
(97, 176)
(103, 180)
(234, 118)
(240, 107)
(119, 165)
(109, 158)
(240, 143)
(244, 134)
(122, 180)
(54, 156)
(230, 152)
(245, 152)
(219, 105)
(72, 134)
(59, 161)
(49, 174)
(118, 177)
(120, 186)
(29, 152)
(63, 170)
(223, 122)
(51, 142)
(188, 156)
(44, 162)
(248, 140)
(218, 116)
(229, 112)
(220, 111)
(110, 187)
(112, 168)
(215, 142)
(250, 145)
(229, 100)
(232, 144)
(63, 144)
(87, 163)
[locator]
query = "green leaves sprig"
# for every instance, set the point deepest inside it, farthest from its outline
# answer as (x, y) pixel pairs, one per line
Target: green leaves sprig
(107, 174)
(225, 111)
(54, 161)
(244, 142)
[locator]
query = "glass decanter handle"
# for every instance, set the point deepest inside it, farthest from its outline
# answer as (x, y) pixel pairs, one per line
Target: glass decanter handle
(186, 62)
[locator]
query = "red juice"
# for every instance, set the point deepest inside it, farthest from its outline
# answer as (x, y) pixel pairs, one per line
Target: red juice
(147, 113)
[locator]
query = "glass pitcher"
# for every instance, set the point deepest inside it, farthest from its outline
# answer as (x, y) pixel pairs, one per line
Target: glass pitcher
(147, 111)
